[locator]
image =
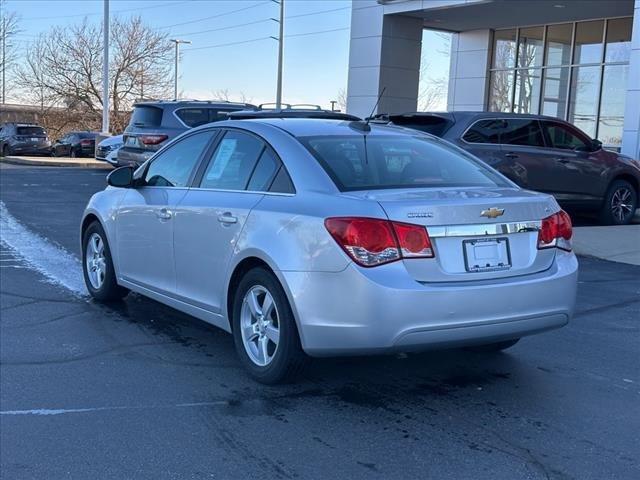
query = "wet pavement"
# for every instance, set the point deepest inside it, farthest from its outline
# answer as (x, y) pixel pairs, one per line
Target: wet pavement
(138, 390)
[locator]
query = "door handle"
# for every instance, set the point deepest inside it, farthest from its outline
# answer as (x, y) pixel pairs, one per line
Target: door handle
(164, 214)
(563, 160)
(227, 217)
(511, 155)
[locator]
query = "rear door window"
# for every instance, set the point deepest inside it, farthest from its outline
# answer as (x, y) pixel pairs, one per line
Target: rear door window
(174, 166)
(520, 131)
(264, 172)
(564, 137)
(233, 162)
(484, 131)
(146, 116)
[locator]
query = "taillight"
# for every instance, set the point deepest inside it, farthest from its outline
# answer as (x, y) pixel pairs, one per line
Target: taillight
(85, 142)
(556, 231)
(152, 139)
(371, 241)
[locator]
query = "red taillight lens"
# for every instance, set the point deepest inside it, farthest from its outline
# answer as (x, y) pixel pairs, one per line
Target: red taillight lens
(414, 240)
(368, 241)
(371, 241)
(556, 231)
(85, 142)
(152, 139)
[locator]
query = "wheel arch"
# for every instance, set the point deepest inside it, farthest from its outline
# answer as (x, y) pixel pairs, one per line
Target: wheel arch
(250, 261)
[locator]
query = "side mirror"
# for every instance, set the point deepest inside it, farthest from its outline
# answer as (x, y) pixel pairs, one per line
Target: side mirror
(121, 177)
(596, 145)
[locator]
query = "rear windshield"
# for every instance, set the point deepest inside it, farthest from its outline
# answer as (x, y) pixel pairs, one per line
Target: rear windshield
(146, 116)
(194, 117)
(87, 134)
(397, 162)
(434, 125)
(30, 131)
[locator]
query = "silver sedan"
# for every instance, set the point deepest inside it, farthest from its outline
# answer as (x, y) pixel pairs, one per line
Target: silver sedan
(308, 237)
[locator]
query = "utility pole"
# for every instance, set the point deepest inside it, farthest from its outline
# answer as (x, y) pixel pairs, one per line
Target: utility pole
(4, 50)
(175, 75)
(105, 69)
(280, 48)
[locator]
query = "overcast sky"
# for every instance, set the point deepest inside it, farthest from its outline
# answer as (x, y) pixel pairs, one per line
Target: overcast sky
(316, 42)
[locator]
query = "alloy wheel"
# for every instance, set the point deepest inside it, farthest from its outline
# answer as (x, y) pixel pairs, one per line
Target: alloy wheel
(95, 261)
(260, 325)
(621, 203)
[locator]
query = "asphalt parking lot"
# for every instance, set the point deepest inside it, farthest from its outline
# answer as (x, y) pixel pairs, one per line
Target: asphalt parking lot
(138, 390)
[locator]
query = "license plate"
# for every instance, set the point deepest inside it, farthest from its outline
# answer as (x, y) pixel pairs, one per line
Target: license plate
(35, 139)
(486, 254)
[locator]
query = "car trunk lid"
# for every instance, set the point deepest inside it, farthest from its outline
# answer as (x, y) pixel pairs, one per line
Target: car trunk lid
(476, 233)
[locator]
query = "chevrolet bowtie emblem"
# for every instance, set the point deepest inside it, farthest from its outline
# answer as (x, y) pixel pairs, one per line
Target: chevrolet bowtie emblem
(492, 212)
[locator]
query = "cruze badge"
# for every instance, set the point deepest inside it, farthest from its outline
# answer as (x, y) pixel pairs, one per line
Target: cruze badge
(492, 212)
(420, 215)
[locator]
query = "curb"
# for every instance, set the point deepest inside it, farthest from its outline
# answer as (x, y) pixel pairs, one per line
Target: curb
(53, 163)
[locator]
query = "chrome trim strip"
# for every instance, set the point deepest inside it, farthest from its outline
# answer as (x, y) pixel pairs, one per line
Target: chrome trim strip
(484, 229)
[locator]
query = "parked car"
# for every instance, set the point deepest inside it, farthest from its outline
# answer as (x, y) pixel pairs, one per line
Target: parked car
(107, 149)
(75, 144)
(252, 225)
(23, 139)
(544, 154)
(154, 124)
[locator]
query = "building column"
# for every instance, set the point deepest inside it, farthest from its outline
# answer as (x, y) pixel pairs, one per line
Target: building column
(631, 129)
(469, 70)
(384, 53)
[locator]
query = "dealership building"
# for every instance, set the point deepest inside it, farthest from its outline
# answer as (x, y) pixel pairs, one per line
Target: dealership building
(578, 60)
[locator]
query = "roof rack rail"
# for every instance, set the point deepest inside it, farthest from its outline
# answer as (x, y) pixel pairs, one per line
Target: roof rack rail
(290, 112)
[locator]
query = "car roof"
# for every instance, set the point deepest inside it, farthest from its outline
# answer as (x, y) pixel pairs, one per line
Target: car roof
(460, 115)
(193, 103)
(309, 127)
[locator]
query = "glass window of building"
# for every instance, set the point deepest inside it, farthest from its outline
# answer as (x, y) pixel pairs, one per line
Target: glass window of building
(559, 44)
(574, 71)
(618, 47)
(527, 94)
(588, 47)
(530, 47)
(504, 48)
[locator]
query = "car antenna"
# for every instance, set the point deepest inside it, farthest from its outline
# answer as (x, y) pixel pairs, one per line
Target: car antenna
(364, 126)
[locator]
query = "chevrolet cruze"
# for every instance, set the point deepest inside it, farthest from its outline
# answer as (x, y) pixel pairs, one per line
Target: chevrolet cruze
(313, 237)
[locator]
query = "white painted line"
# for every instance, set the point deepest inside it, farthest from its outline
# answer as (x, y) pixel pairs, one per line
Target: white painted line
(54, 262)
(64, 411)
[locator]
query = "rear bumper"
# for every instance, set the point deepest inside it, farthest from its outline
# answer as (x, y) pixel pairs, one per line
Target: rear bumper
(130, 156)
(30, 149)
(361, 311)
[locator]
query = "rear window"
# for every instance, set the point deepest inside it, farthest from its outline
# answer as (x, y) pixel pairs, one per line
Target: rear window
(397, 162)
(30, 131)
(146, 116)
(429, 124)
(87, 135)
(194, 117)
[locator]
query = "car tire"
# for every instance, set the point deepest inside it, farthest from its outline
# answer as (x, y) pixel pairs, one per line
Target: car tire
(72, 153)
(97, 265)
(254, 330)
(619, 204)
(5, 150)
(494, 347)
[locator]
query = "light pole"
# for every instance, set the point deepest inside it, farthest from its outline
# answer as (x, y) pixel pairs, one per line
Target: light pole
(3, 16)
(175, 79)
(280, 47)
(105, 69)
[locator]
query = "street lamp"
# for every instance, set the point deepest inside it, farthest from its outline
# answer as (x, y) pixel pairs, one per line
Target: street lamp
(175, 79)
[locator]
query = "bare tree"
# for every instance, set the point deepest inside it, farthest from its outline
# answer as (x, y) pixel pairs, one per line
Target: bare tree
(65, 66)
(224, 95)
(432, 95)
(341, 100)
(8, 49)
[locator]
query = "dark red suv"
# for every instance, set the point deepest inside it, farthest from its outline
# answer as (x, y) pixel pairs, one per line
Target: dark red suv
(543, 154)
